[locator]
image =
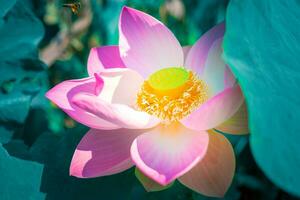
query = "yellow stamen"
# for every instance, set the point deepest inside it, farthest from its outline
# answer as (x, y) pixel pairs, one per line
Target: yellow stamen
(171, 94)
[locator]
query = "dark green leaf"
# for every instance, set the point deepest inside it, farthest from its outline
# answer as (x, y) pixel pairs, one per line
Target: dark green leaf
(20, 179)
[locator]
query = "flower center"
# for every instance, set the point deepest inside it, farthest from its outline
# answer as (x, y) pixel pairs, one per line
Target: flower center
(171, 94)
(168, 79)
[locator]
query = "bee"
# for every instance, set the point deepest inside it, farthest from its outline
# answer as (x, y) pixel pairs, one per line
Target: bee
(73, 6)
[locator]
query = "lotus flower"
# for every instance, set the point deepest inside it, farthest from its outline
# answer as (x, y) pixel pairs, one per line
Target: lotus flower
(158, 106)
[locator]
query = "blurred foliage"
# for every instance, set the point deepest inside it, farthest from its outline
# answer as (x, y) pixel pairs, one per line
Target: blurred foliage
(37, 139)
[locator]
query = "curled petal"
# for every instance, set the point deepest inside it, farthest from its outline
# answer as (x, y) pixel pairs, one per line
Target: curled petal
(122, 115)
(168, 151)
(104, 57)
(102, 153)
(146, 45)
(62, 94)
(113, 85)
(120, 86)
(237, 124)
(216, 110)
(213, 175)
(99, 84)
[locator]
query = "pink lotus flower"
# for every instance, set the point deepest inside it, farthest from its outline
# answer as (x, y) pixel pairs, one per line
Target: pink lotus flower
(151, 103)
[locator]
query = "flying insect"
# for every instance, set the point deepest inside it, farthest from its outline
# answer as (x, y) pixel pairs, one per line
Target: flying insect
(73, 6)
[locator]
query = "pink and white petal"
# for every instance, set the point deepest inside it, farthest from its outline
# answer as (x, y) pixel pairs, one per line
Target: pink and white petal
(214, 70)
(237, 124)
(122, 115)
(197, 56)
(216, 110)
(146, 45)
(186, 50)
(120, 86)
(102, 153)
(104, 57)
(62, 94)
(99, 84)
(168, 151)
(149, 184)
(229, 79)
(213, 175)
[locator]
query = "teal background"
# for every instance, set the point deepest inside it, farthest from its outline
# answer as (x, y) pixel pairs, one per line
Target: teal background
(37, 139)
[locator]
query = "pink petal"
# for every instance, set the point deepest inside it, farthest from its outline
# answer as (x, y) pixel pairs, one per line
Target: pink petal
(237, 124)
(102, 153)
(214, 70)
(186, 50)
(104, 57)
(122, 115)
(167, 152)
(62, 94)
(149, 184)
(213, 175)
(99, 84)
(198, 54)
(229, 79)
(146, 45)
(112, 86)
(216, 110)
(120, 86)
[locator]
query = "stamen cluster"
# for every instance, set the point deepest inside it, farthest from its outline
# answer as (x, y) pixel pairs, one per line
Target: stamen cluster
(175, 106)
